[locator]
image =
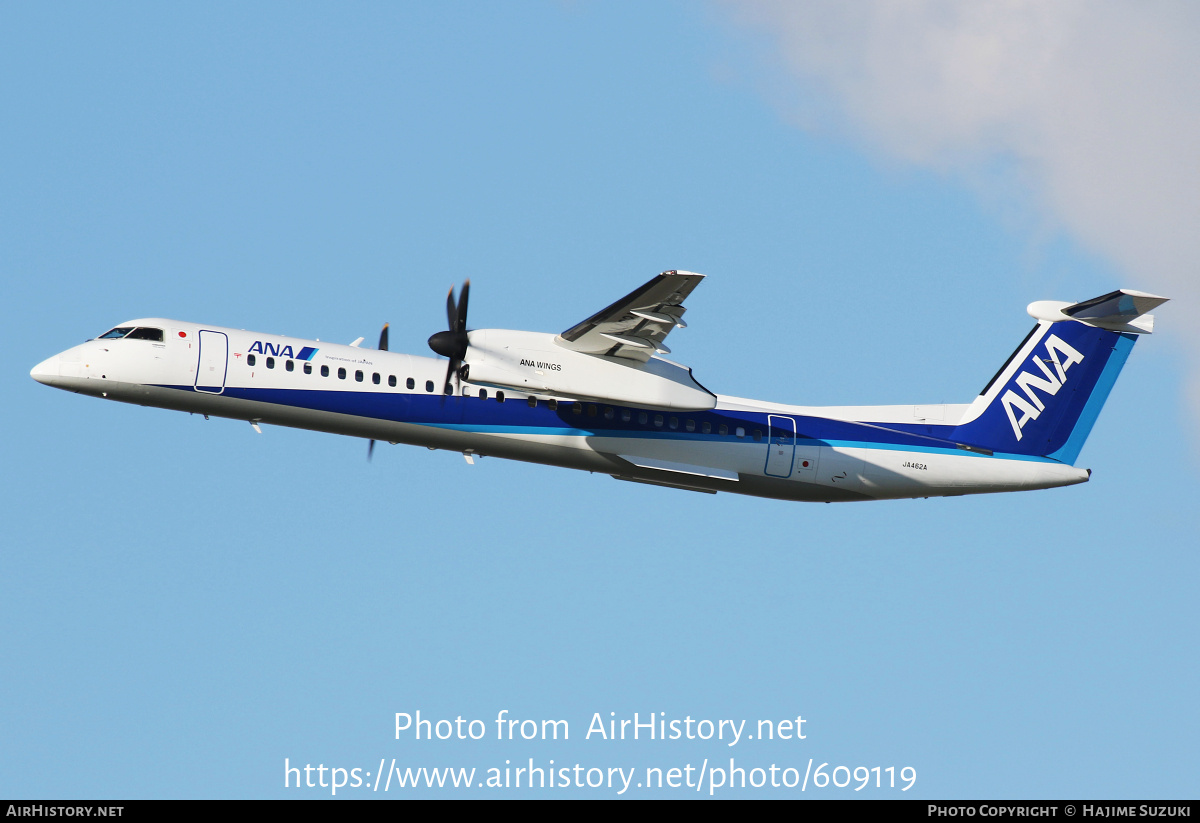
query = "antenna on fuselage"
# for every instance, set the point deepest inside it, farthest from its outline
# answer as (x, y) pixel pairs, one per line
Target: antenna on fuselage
(383, 346)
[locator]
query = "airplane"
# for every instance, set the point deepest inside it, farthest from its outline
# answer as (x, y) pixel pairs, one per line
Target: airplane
(600, 397)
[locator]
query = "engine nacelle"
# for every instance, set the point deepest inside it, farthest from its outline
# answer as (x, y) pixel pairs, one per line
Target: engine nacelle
(532, 362)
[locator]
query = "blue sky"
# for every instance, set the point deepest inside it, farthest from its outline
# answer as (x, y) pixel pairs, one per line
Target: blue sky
(185, 603)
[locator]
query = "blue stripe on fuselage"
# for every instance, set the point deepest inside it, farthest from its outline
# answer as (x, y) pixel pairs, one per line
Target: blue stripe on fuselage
(516, 417)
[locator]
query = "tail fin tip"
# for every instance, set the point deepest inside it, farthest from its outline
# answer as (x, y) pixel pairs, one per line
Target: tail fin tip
(1123, 310)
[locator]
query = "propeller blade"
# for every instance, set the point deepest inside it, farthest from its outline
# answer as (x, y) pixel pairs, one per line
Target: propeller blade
(451, 310)
(462, 307)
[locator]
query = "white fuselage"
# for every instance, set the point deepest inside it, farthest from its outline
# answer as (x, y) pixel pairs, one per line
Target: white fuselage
(741, 446)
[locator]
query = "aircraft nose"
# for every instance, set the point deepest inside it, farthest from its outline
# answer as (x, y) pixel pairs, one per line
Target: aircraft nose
(47, 371)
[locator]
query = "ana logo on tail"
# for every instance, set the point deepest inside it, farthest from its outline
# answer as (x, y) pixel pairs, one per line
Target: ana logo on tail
(1062, 356)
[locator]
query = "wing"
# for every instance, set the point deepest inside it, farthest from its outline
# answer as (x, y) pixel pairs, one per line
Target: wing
(635, 326)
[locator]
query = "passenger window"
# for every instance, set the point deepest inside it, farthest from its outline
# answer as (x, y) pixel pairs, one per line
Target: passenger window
(250, 361)
(674, 423)
(642, 418)
(341, 373)
(375, 378)
(592, 409)
(392, 380)
(428, 385)
(499, 397)
(690, 425)
(482, 394)
(658, 420)
(723, 430)
(308, 368)
(626, 415)
(552, 404)
(532, 401)
(412, 384)
(740, 432)
(324, 371)
(270, 362)
(757, 435)
(608, 413)
(706, 427)
(358, 375)
(289, 365)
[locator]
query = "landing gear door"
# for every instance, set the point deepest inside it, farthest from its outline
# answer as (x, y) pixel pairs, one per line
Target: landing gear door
(781, 446)
(213, 362)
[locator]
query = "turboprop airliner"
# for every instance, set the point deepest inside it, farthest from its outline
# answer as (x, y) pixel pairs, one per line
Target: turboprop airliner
(601, 397)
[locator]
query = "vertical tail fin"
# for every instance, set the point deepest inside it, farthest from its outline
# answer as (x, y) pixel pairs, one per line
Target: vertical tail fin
(1045, 399)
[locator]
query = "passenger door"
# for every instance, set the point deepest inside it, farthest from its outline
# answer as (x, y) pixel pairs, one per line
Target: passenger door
(781, 445)
(213, 362)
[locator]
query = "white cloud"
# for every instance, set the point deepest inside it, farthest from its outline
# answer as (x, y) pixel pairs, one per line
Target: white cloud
(1094, 106)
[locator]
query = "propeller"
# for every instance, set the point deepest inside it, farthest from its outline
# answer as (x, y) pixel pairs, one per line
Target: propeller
(452, 343)
(383, 343)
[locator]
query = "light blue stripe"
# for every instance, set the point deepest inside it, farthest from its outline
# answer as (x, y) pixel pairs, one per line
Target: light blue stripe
(1069, 452)
(853, 444)
(543, 431)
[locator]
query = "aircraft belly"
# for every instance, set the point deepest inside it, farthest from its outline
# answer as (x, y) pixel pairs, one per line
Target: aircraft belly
(902, 474)
(711, 465)
(558, 450)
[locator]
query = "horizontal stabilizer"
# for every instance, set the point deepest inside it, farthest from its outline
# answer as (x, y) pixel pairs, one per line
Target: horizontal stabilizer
(1123, 310)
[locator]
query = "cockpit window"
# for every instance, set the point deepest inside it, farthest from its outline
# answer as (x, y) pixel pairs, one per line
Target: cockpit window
(146, 334)
(116, 334)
